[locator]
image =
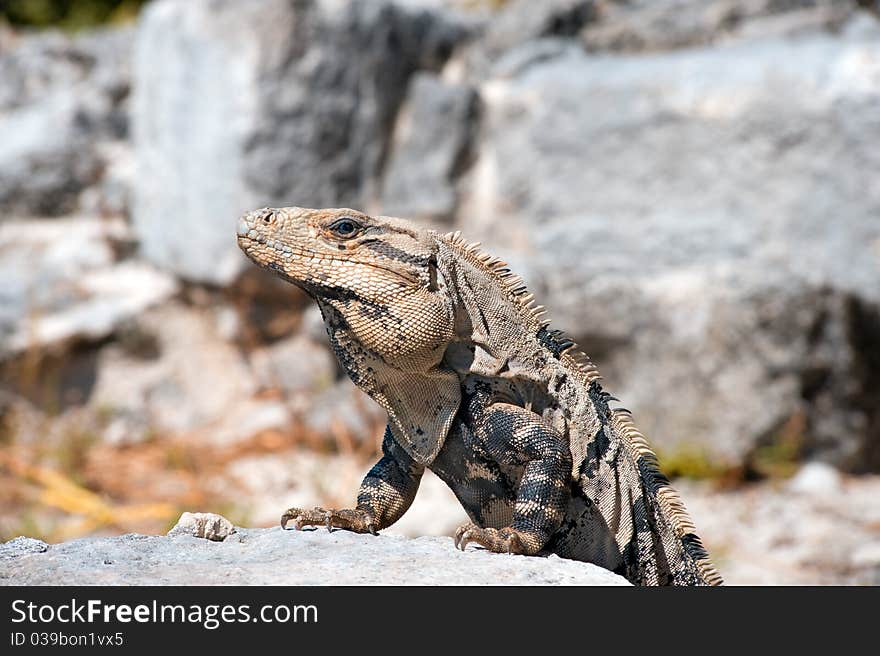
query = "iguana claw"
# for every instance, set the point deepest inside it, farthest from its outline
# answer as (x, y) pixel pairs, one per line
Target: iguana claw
(355, 520)
(505, 540)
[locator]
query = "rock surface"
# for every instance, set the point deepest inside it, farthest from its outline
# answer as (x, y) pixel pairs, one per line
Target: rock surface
(277, 557)
(62, 99)
(209, 526)
(688, 185)
(648, 25)
(269, 103)
(62, 280)
(700, 232)
(179, 375)
(730, 229)
(21, 546)
(303, 479)
(430, 147)
(817, 529)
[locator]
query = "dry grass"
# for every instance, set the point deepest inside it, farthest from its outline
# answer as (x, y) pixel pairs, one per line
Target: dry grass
(60, 481)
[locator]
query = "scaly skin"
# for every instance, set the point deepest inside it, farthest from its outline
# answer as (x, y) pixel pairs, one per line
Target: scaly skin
(478, 389)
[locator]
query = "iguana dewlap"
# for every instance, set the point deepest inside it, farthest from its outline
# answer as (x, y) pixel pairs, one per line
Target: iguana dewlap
(507, 412)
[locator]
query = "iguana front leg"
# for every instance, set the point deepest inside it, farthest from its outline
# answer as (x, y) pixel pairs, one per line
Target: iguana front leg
(513, 435)
(385, 494)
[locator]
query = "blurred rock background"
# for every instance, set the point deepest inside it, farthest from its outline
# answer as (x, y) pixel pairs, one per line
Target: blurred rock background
(692, 187)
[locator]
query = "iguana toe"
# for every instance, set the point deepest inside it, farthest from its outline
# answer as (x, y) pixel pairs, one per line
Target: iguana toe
(504, 540)
(355, 520)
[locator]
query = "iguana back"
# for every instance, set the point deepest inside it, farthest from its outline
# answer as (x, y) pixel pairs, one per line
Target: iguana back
(620, 492)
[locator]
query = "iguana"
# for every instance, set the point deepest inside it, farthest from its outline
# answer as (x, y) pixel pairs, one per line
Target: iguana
(507, 412)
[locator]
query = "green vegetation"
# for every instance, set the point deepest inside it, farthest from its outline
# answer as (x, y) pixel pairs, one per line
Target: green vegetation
(780, 458)
(68, 14)
(776, 456)
(780, 452)
(691, 461)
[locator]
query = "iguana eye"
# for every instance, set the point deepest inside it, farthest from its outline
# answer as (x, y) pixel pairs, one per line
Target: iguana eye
(346, 227)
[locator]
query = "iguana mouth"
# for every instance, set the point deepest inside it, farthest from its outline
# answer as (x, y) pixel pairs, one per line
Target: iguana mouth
(286, 253)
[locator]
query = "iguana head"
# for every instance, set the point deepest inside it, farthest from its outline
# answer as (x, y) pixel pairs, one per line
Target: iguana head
(384, 303)
(337, 253)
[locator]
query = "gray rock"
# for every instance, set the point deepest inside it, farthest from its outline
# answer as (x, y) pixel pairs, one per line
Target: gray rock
(651, 25)
(313, 324)
(295, 365)
(110, 196)
(21, 546)
(208, 526)
(519, 21)
(267, 103)
(189, 379)
(303, 478)
(816, 478)
(248, 418)
(271, 482)
(45, 160)
(711, 241)
(277, 557)
(62, 281)
(36, 65)
(61, 99)
(867, 557)
(762, 534)
(523, 20)
(431, 144)
(344, 413)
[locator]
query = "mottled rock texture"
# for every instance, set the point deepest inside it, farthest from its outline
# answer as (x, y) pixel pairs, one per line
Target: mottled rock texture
(704, 222)
(239, 105)
(278, 557)
(62, 101)
(689, 186)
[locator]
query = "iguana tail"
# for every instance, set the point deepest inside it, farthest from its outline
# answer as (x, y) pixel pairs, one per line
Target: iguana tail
(653, 531)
